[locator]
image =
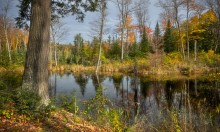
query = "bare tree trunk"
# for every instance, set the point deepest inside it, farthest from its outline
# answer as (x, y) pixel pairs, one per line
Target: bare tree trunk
(122, 46)
(218, 35)
(7, 43)
(17, 43)
(0, 46)
(187, 28)
(55, 53)
(6, 26)
(195, 50)
(181, 40)
(103, 15)
(35, 76)
(156, 52)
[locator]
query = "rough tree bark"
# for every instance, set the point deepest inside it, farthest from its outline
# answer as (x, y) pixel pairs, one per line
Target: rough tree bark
(35, 76)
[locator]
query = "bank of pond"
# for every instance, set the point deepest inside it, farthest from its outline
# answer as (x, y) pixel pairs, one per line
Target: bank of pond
(121, 102)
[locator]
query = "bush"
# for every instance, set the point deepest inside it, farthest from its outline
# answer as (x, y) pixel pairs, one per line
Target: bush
(173, 58)
(26, 101)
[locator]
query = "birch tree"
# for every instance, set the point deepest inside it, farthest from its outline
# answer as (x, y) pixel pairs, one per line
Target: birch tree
(175, 6)
(125, 7)
(141, 14)
(102, 11)
(58, 31)
(6, 24)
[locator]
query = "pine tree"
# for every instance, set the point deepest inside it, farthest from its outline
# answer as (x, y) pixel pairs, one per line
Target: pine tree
(134, 51)
(157, 38)
(157, 30)
(115, 50)
(144, 45)
(170, 42)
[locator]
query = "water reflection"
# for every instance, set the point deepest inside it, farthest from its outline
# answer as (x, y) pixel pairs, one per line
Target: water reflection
(82, 80)
(141, 95)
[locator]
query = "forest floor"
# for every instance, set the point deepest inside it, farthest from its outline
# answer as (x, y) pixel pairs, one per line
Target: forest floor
(58, 121)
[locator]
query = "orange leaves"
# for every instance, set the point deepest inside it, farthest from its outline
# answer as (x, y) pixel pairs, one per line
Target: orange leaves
(131, 37)
(128, 22)
(16, 37)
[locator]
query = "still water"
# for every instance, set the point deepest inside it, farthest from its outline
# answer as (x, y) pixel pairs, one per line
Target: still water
(141, 95)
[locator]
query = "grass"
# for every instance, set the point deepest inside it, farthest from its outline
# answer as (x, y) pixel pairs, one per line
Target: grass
(176, 121)
(169, 64)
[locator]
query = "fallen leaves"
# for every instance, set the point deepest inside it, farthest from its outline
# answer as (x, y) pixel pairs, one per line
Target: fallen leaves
(57, 122)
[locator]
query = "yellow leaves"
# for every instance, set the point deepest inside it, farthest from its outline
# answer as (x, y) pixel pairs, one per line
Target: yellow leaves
(128, 22)
(8, 113)
(211, 53)
(206, 18)
(196, 34)
(129, 30)
(131, 37)
(15, 36)
(209, 17)
(218, 109)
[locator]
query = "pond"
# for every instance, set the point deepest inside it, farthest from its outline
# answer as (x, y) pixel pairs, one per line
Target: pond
(196, 98)
(148, 104)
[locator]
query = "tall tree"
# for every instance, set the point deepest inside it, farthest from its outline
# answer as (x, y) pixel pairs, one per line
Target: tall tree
(102, 10)
(36, 66)
(157, 40)
(6, 24)
(169, 39)
(78, 45)
(144, 44)
(175, 6)
(187, 25)
(57, 33)
(141, 13)
(157, 36)
(190, 6)
(215, 6)
(125, 8)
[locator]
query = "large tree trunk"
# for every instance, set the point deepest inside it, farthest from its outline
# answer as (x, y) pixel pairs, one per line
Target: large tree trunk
(35, 75)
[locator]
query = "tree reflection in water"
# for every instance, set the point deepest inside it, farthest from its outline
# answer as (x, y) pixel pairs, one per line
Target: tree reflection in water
(82, 80)
(144, 97)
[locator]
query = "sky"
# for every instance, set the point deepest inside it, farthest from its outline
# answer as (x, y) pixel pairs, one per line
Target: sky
(73, 27)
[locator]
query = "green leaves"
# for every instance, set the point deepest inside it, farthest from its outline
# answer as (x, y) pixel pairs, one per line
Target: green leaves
(170, 41)
(59, 9)
(144, 45)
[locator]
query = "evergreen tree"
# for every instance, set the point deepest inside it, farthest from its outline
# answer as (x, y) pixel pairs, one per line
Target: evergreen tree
(170, 42)
(95, 48)
(78, 44)
(115, 50)
(144, 45)
(134, 51)
(157, 38)
(157, 30)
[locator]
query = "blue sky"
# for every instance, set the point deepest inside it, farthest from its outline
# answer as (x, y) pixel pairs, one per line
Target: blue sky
(74, 27)
(84, 28)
